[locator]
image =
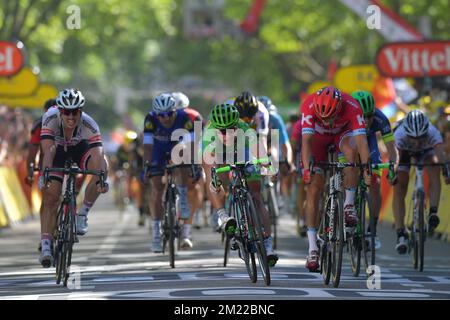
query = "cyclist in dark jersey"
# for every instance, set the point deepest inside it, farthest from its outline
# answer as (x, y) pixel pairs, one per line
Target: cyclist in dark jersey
(376, 121)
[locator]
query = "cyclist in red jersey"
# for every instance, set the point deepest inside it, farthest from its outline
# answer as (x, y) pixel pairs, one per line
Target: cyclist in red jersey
(331, 117)
(35, 142)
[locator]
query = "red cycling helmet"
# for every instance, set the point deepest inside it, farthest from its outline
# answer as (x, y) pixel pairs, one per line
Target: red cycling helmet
(327, 102)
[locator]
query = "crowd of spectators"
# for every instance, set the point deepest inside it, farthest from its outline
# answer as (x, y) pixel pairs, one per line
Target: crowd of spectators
(15, 127)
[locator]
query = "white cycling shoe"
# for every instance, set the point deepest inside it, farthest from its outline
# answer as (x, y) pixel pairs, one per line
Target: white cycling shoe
(82, 225)
(46, 258)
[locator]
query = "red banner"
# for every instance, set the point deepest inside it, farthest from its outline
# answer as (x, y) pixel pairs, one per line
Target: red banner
(11, 59)
(414, 59)
(251, 23)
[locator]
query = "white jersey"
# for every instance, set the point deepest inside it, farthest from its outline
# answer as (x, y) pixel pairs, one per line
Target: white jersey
(87, 130)
(428, 142)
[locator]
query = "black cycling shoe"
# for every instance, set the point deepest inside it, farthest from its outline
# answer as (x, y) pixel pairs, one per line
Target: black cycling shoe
(433, 222)
(272, 260)
(230, 226)
(233, 244)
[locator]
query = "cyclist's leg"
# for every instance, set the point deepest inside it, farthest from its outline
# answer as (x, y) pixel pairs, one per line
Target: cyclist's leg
(217, 200)
(347, 147)
(157, 188)
(254, 184)
(375, 187)
(49, 207)
(400, 190)
(187, 204)
(434, 189)
(90, 159)
(195, 197)
(313, 195)
(398, 204)
(301, 212)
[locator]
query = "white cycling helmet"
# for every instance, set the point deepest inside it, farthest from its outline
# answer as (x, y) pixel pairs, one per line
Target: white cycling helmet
(416, 124)
(70, 99)
(181, 100)
(164, 102)
(267, 102)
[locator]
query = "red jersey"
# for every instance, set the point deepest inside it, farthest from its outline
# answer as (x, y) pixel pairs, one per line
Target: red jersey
(35, 138)
(296, 135)
(350, 118)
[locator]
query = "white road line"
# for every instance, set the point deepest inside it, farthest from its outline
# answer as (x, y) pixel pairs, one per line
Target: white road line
(113, 237)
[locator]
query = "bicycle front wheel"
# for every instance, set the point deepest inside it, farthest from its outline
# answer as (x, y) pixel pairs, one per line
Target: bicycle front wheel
(245, 246)
(59, 244)
(70, 239)
(274, 214)
(356, 241)
(337, 240)
(258, 239)
(420, 232)
(324, 246)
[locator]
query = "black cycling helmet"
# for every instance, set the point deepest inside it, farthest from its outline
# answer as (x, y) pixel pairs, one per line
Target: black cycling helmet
(246, 104)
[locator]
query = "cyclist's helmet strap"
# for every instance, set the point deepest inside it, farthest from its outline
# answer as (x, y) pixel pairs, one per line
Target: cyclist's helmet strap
(366, 101)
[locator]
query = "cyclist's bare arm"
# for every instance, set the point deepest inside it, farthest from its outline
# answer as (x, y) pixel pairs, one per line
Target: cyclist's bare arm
(440, 152)
(32, 152)
(286, 152)
(306, 149)
(148, 149)
(392, 151)
(49, 150)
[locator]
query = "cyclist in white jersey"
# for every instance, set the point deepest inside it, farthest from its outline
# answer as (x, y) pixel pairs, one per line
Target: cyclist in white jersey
(416, 137)
(68, 133)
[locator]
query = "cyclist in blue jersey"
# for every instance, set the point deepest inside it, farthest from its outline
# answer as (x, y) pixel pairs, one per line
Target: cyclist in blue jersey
(159, 140)
(376, 121)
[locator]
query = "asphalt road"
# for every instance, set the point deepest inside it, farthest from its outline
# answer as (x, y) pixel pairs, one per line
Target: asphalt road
(113, 261)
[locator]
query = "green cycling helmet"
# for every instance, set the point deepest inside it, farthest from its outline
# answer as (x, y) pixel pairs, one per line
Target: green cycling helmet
(224, 116)
(366, 101)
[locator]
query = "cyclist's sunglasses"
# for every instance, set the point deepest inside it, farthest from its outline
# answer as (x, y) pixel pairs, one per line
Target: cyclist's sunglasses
(68, 112)
(224, 131)
(166, 114)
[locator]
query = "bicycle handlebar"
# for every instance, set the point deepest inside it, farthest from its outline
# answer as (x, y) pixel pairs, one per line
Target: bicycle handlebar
(76, 170)
(169, 167)
(229, 167)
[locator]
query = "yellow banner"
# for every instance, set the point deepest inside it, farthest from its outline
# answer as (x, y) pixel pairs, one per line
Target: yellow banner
(358, 77)
(37, 100)
(22, 84)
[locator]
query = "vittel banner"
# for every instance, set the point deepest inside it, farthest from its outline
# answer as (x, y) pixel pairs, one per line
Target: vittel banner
(414, 59)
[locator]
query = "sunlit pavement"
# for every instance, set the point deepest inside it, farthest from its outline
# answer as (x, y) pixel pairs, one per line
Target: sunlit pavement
(113, 261)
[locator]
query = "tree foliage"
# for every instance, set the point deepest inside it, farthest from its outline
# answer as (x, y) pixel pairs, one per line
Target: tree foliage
(140, 44)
